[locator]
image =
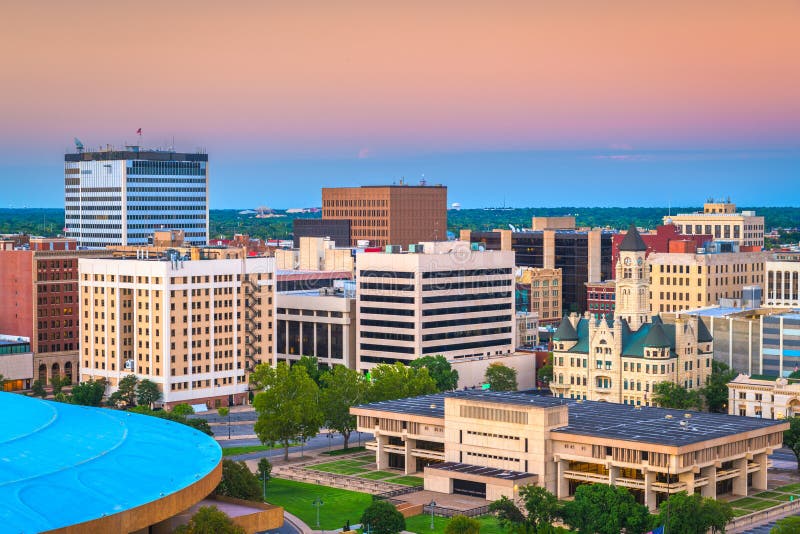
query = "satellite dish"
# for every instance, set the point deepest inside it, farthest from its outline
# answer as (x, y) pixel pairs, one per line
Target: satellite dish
(78, 144)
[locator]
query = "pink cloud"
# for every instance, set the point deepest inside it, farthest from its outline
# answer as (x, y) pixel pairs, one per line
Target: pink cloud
(363, 153)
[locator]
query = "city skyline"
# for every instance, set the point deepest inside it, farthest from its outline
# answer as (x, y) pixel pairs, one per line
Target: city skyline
(355, 93)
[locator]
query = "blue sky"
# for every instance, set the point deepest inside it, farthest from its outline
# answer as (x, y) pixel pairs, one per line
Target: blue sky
(615, 177)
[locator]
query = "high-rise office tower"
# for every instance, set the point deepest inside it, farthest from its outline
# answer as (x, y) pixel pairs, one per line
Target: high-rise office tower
(119, 197)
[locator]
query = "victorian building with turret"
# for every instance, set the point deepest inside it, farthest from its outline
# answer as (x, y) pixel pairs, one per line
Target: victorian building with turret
(620, 358)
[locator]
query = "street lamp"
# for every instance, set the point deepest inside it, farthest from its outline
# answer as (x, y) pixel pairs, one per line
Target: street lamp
(432, 505)
(317, 503)
(330, 440)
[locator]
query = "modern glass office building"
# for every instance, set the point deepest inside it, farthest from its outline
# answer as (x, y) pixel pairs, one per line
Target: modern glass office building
(120, 197)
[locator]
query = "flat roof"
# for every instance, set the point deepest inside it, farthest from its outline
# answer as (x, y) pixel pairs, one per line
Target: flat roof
(64, 464)
(659, 426)
(491, 472)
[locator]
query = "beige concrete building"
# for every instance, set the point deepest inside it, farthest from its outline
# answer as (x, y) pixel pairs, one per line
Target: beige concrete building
(543, 287)
(316, 254)
(764, 396)
(445, 298)
(721, 220)
(319, 323)
(16, 363)
(782, 282)
(487, 444)
(688, 281)
(621, 359)
(195, 327)
(566, 222)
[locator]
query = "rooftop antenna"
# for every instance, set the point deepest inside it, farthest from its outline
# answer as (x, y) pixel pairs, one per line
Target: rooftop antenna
(78, 145)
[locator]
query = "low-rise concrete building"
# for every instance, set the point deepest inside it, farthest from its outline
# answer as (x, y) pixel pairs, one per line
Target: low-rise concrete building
(763, 396)
(16, 363)
(486, 444)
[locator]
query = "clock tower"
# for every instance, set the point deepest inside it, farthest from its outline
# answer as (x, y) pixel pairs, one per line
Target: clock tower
(633, 281)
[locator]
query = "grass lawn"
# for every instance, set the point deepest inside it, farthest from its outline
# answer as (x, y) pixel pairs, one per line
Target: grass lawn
(791, 488)
(407, 481)
(377, 475)
(337, 469)
(233, 451)
(745, 502)
(774, 495)
(349, 450)
(338, 505)
(421, 524)
(738, 512)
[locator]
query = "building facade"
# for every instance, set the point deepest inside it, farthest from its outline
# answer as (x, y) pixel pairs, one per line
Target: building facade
(782, 282)
(488, 444)
(721, 220)
(337, 230)
(319, 323)
(16, 363)
(119, 197)
(763, 396)
(543, 290)
(39, 285)
(601, 298)
(620, 359)
(582, 256)
(446, 298)
(195, 327)
(665, 238)
(389, 215)
(688, 281)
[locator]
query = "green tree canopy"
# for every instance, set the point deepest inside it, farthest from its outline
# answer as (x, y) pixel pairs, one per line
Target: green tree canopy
(341, 389)
(311, 363)
(715, 391)
(182, 409)
(440, 370)
(672, 395)
(791, 437)
(147, 392)
(545, 373)
(238, 482)
(58, 382)
(383, 518)
(398, 381)
(541, 508)
(210, 520)
(89, 393)
(787, 525)
(38, 388)
(694, 513)
(126, 391)
(604, 509)
(461, 524)
(288, 407)
(501, 378)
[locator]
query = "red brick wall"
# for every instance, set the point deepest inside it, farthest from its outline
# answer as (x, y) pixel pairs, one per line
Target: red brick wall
(659, 242)
(16, 288)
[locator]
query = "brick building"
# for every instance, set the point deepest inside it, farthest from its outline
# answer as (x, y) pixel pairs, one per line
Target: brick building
(39, 285)
(666, 238)
(388, 215)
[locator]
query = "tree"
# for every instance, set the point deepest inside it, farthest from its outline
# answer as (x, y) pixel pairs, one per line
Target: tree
(787, 525)
(715, 391)
(264, 469)
(501, 378)
(545, 374)
(440, 370)
(288, 407)
(58, 382)
(791, 438)
(89, 393)
(672, 395)
(341, 389)
(604, 509)
(398, 381)
(383, 518)
(210, 520)
(126, 392)
(694, 513)
(182, 409)
(311, 363)
(147, 392)
(198, 424)
(541, 507)
(38, 389)
(461, 524)
(238, 482)
(223, 412)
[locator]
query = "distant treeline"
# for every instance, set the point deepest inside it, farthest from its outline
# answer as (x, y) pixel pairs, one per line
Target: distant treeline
(50, 221)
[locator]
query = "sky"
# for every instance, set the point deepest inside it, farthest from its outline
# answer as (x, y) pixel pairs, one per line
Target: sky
(529, 103)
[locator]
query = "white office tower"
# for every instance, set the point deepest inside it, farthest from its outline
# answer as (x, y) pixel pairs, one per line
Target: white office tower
(120, 197)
